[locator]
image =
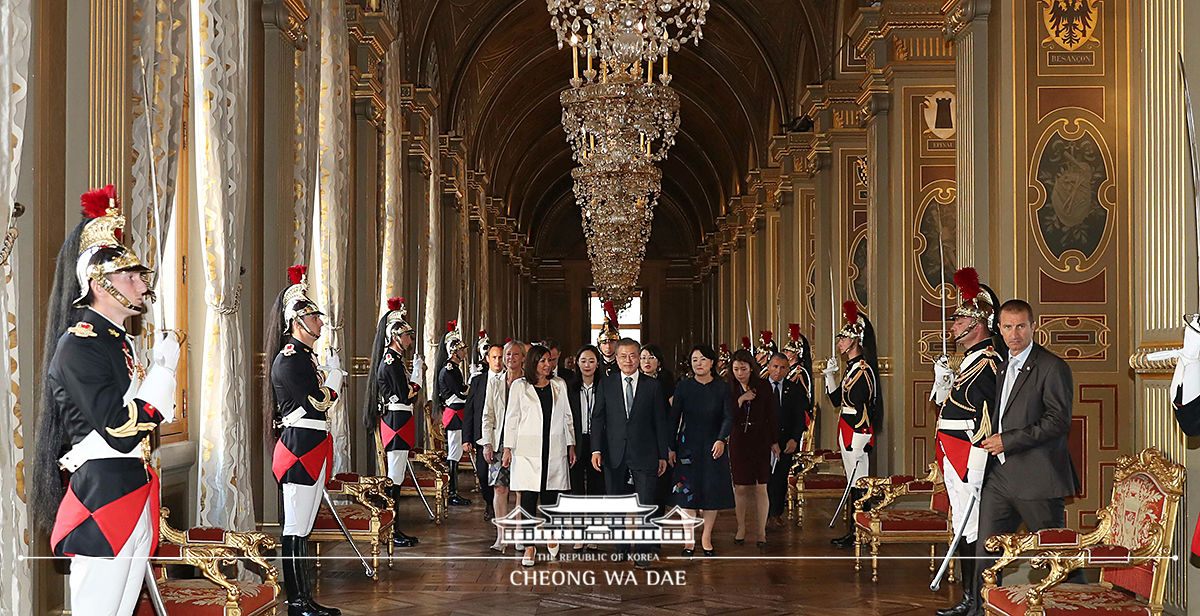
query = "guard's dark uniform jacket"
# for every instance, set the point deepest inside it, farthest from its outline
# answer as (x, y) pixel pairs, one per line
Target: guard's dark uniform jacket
(970, 400)
(854, 396)
(800, 376)
(452, 388)
(397, 430)
(90, 376)
(607, 367)
(304, 449)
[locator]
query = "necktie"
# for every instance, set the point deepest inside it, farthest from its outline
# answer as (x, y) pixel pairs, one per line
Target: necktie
(1010, 377)
(628, 396)
(587, 417)
(779, 393)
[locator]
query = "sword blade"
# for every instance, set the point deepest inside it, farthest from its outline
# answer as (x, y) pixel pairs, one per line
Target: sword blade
(1194, 149)
(941, 273)
(333, 511)
(937, 579)
(156, 600)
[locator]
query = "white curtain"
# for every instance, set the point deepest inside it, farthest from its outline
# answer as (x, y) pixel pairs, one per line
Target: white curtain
(307, 105)
(332, 216)
(15, 581)
(392, 239)
(220, 113)
(160, 41)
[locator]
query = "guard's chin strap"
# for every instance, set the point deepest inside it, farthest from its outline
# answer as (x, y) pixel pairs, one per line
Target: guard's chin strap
(107, 285)
(959, 337)
(300, 321)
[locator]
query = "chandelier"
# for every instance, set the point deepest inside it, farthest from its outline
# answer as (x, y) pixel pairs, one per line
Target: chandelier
(622, 32)
(617, 208)
(620, 120)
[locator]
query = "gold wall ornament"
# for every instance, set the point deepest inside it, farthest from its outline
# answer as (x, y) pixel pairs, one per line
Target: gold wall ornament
(1070, 23)
(938, 110)
(1140, 362)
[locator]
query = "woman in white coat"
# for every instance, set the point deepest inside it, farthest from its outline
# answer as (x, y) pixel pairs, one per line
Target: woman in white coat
(539, 444)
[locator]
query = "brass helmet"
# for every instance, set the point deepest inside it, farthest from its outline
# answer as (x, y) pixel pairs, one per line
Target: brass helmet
(766, 343)
(746, 343)
(794, 345)
(608, 330)
(977, 301)
(296, 302)
(855, 325)
(396, 321)
(100, 250)
(724, 355)
(482, 344)
(453, 340)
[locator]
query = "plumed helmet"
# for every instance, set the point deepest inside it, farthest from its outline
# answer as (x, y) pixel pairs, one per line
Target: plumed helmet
(608, 330)
(296, 302)
(976, 301)
(100, 250)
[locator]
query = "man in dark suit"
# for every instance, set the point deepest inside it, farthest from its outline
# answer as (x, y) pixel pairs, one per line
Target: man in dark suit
(791, 429)
(1030, 471)
(473, 421)
(629, 431)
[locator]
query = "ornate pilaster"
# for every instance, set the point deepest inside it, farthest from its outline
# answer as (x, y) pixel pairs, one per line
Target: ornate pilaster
(108, 85)
(967, 27)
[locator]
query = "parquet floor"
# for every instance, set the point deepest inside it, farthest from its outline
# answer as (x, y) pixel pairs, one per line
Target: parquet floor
(437, 577)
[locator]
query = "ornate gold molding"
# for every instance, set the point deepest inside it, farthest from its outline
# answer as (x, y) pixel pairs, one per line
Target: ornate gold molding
(1143, 366)
(960, 14)
(290, 18)
(885, 366)
(108, 84)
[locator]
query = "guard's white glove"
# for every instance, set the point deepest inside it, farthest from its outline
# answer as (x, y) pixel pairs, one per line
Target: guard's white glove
(943, 380)
(1187, 368)
(158, 388)
(333, 372)
(418, 370)
(166, 352)
(475, 370)
(830, 372)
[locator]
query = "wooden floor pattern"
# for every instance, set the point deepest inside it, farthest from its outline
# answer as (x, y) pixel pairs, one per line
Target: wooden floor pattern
(433, 578)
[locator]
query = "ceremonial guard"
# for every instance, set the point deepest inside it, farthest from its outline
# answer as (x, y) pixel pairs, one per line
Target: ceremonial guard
(723, 358)
(100, 405)
(965, 400)
(857, 396)
(799, 353)
(452, 391)
(388, 405)
(1185, 391)
(765, 349)
(297, 401)
(607, 341)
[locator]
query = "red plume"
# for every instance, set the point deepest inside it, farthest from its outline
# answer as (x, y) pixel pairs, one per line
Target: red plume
(296, 273)
(745, 342)
(95, 202)
(611, 311)
(507, 340)
(794, 330)
(394, 303)
(967, 281)
(724, 348)
(451, 325)
(851, 310)
(766, 336)
(482, 333)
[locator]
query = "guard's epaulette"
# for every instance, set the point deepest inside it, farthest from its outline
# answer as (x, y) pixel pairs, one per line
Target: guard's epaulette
(82, 329)
(388, 359)
(288, 350)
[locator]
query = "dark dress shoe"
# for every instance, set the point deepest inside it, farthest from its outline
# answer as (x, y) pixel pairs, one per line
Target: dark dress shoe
(710, 552)
(458, 501)
(642, 563)
(688, 553)
(845, 541)
(739, 541)
(325, 611)
(761, 544)
(402, 540)
(964, 607)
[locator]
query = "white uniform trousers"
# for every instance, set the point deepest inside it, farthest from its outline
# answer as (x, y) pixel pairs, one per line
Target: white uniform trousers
(959, 492)
(110, 586)
(300, 504)
(454, 445)
(856, 457)
(397, 462)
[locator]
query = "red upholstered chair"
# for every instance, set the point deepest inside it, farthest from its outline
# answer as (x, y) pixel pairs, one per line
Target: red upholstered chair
(883, 524)
(368, 516)
(816, 473)
(1131, 546)
(214, 594)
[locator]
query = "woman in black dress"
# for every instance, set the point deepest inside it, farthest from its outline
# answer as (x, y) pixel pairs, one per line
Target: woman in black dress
(752, 442)
(703, 408)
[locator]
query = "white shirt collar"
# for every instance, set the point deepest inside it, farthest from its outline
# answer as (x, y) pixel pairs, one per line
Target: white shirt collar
(120, 328)
(1020, 358)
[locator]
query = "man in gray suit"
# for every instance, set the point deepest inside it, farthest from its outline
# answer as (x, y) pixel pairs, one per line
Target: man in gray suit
(1030, 471)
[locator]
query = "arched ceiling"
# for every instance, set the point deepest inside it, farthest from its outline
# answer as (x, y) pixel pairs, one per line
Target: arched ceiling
(499, 73)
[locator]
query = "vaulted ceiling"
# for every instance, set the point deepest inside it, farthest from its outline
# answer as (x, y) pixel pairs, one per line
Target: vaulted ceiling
(498, 72)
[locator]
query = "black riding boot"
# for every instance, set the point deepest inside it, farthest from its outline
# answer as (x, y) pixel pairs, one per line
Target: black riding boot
(847, 540)
(298, 601)
(308, 582)
(399, 539)
(455, 499)
(967, 576)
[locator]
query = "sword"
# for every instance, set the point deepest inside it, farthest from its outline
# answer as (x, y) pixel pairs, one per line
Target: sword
(1195, 150)
(156, 600)
(160, 314)
(846, 494)
(370, 571)
(937, 579)
(941, 274)
(750, 324)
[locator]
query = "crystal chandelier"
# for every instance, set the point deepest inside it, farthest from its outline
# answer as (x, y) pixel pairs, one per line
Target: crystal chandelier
(626, 31)
(617, 208)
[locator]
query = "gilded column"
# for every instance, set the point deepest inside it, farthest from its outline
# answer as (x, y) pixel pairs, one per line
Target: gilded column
(108, 86)
(967, 27)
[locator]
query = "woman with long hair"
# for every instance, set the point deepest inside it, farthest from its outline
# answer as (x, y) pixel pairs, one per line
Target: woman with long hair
(703, 409)
(541, 449)
(752, 442)
(585, 480)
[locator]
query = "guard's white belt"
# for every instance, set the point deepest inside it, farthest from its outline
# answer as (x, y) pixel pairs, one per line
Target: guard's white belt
(956, 424)
(455, 399)
(311, 424)
(93, 447)
(396, 406)
(849, 410)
